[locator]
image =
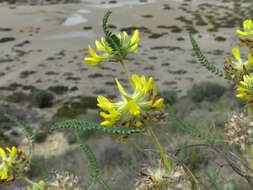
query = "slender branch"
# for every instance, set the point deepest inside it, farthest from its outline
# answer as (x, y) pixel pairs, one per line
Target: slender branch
(126, 71)
(231, 163)
(159, 147)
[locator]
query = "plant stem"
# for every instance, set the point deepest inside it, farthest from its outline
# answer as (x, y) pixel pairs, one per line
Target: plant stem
(249, 111)
(31, 182)
(159, 147)
(250, 154)
(126, 71)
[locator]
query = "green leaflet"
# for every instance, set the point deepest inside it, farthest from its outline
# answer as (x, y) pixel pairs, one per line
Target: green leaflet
(87, 125)
(42, 169)
(203, 60)
(212, 138)
(112, 40)
(181, 154)
(26, 130)
(93, 166)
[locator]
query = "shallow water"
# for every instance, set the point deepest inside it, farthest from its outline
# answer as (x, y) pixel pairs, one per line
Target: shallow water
(74, 19)
(120, 3)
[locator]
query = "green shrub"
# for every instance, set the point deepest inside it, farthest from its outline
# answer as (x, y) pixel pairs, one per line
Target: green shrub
(206, 91)
(69, 111)
(16, 97)
(40, 136)
(42, 99)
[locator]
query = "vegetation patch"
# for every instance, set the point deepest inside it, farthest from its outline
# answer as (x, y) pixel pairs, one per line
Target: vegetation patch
(58, 89)
(206, 91)
(17, 97)
(7, 39)
(42, 99)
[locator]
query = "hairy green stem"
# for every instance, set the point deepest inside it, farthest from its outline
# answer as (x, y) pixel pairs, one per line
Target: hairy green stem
(249, 111)
(126, 71)
(31, 182)
(159, 147)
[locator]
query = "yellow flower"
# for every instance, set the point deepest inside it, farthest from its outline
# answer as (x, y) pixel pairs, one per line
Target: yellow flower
(245, 93)
(239, 64)
(126, 46)
(13, 165)
(132, 107)
(6, 162)
(248, 29)
(36, 186)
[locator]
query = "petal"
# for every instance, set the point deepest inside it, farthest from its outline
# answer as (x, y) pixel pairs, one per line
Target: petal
(135, 39)
(241, 89)
(107, 123)
(236, 53)
(104, 103)
(125, 37)
(122, 91)
(133, 108)
(3, 154)
(4, 174)
(107, 48)
(250, 58)
(241, 33)
(137, 82)
(150, 84)
(247, 25)
(13, 152)
(42, 182)
(99, 46)
(159, 104)
(134, 48)
(92, 52)
(91, 61)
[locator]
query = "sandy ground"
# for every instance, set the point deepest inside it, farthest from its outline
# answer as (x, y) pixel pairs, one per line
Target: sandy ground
(48, 50)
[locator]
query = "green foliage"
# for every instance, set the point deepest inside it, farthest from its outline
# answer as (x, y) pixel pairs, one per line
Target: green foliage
(181, 154)
(212, 176)
(31, 137)
(93, 167)
(42, 169)
(40, 136)
(42, 99)
(26, 130)
(16, 97)
(87, 125)
(206, 91)
(69, 111)
(203, 60)
(197, 158)
(111, 39)
(212, 138)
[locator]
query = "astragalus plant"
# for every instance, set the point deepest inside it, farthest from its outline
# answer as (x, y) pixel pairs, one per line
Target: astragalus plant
(136, 111)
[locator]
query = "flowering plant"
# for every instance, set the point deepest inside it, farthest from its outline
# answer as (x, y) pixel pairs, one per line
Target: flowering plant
(136, 112)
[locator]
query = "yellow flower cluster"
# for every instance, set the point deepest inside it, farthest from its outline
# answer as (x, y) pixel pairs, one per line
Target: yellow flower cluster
(12, 165)
(242, 71)
(248, 30)
(141, 101)
(134, 108)
(127, 46)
